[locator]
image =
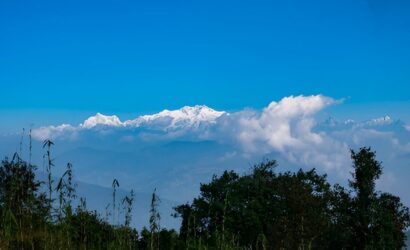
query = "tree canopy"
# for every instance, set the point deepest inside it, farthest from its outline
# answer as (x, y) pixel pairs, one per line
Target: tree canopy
(270, 210)
(262, 209)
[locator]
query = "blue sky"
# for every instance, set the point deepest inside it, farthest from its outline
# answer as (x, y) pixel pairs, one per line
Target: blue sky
(62, 61)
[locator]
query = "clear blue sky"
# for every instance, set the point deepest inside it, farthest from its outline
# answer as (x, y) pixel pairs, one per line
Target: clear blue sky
(130, 57)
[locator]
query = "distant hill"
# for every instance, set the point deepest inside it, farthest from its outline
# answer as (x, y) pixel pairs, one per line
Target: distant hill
(98, 197)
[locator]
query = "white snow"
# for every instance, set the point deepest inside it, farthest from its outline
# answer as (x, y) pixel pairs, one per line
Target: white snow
(184, 117)
(100, 119)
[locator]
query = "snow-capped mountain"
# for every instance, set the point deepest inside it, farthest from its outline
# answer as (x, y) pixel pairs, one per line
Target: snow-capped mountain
(169, 119)
(175, 150)
(199, 116)
(349, 123)
(185, 117)
(100, 119)
(385, 120)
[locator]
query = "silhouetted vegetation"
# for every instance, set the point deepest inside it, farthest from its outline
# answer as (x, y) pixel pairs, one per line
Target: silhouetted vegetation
(263, 209)
(269, 210)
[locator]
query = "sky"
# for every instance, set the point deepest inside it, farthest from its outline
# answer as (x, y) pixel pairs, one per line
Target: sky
(279, 69)
(65, 60)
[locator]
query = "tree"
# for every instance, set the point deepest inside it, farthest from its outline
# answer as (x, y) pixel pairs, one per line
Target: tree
(22, 206)
(259, 210)
(154, 221)
(366, 171)
(340, 233)
(380, 220)
(390, 222)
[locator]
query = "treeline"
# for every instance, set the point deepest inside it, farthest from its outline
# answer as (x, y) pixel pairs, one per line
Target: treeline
(263, 209)
(269, 210)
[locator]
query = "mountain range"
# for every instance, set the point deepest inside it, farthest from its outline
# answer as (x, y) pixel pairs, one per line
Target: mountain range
(176, 150)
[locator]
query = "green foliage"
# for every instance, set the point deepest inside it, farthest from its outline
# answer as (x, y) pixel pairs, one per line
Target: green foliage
(380, 219)
(262, 210)
(269, 210)
(21, 205)
(259, 210)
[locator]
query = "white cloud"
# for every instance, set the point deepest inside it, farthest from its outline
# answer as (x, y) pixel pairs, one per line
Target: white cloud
(53, 132)
(287, 127)
(287, 123)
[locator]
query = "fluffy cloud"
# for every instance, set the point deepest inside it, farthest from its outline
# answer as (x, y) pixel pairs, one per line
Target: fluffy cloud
(54, 132)
(283, 124)
(287, 127)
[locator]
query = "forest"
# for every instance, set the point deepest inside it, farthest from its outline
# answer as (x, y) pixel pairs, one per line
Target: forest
(261, 209)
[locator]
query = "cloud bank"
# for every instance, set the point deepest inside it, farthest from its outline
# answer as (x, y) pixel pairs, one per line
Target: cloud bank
(288, 127)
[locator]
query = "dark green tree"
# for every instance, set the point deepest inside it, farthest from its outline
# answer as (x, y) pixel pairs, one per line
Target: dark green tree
(340, 233)
(380, 220)
(389, 223)
(261, 209)
(22, 207)
(366, 171)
